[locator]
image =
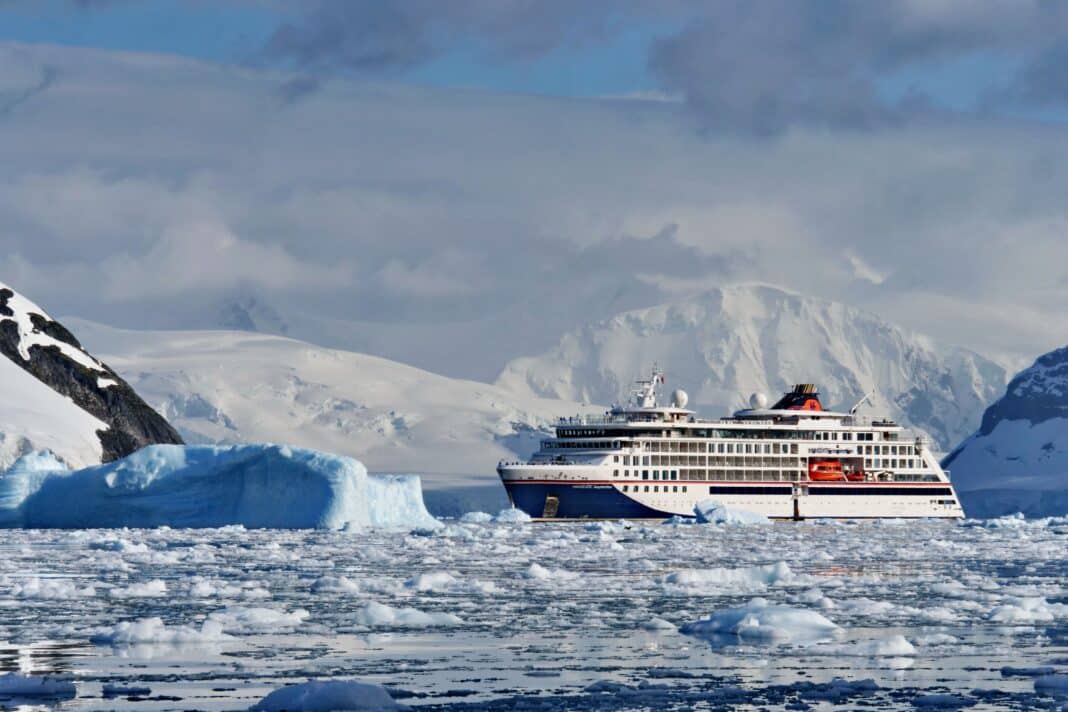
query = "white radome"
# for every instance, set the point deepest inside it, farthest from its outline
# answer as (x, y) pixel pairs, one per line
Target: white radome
(679, 398)
(758, 400)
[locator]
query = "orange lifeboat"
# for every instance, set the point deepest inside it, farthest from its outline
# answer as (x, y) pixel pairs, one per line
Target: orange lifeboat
(826, 471)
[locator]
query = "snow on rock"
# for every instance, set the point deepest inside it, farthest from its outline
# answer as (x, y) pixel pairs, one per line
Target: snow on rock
(1018, 458)
(35, 417)
(379, 615)
(761, 621)
(328, 696)
(726, 343)
(54, 395)
(154, 630)
(42, 687)
(202, 486)
(712, 512)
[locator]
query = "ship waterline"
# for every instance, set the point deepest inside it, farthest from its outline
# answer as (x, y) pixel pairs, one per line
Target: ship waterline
(793, 460)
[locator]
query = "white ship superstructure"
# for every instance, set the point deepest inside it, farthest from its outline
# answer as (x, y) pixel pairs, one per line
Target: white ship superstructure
(793, 460)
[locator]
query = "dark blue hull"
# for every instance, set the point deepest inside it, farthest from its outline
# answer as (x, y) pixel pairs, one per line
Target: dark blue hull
(578, 501)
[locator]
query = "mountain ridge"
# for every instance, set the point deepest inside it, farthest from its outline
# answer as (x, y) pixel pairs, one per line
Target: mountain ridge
(727, 342)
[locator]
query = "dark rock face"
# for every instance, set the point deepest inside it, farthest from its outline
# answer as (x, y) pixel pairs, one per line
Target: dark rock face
(133, 424)
(1035, 394)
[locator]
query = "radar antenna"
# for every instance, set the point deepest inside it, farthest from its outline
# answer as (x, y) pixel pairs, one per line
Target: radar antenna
(867, 397)
(645, 393)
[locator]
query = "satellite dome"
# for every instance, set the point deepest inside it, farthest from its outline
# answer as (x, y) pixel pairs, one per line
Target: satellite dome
(679, 398)
(758, 400)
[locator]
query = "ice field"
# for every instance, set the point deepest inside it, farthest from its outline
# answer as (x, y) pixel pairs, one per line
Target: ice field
(511, 615)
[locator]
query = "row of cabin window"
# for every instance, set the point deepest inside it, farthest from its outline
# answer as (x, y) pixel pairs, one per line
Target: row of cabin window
(706, 460)
(656, 488)
(700, 475)
(672, 438)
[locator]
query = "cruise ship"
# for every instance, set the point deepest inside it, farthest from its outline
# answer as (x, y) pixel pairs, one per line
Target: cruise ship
(793, 460)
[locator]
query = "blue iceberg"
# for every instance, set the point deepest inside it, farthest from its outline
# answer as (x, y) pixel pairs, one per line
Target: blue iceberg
(257, 486)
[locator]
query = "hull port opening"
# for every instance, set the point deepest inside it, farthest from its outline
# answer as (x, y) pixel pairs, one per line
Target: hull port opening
(552, 505)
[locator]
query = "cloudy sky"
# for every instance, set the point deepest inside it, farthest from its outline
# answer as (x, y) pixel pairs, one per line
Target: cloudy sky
(482, 174)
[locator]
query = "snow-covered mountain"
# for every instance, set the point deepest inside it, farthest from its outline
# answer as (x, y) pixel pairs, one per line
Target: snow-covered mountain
(726, 343)
(224, 387)
(54, 395)
(1018, 458)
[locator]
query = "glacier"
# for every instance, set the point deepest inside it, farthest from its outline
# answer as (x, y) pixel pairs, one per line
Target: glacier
(256, 486)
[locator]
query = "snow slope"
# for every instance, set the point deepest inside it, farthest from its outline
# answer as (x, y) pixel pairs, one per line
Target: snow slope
(1018, 458)
(202, 486)
(234, 387)
(55, 395)
(34, 417)
(726, 343)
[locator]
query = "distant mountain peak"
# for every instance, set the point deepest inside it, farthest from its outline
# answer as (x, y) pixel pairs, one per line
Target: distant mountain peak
(724, 343)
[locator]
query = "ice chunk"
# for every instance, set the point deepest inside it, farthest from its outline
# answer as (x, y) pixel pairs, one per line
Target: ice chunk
(200, 486)
(760, 621)
(379, 615)
(50, 588)
(1027, 610)
(239, 619)
(153, 630)
(896, 646)
(476, 518)
(328, 696)
(41, 687)
(148, 589)
(711, 511)
(758, 577)
(512, 516)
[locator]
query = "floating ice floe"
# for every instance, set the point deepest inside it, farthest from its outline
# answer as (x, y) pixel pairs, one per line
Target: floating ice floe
(154, 630)
(895, 646)
(511, 516)
(264, 486)
(476, 518)
(328, 696)
(50, 589)
(723, 580)
(763, 622)
(37, 687)
(711, 511)
(1027, 610)
(379, 615)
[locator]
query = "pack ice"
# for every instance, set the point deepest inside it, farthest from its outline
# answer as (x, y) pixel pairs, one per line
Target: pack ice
(261, 486)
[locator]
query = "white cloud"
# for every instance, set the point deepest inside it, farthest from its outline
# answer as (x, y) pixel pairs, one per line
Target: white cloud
(143, 191)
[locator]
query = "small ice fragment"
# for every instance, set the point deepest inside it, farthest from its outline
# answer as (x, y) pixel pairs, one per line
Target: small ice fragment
(512, 516)
(711, 511)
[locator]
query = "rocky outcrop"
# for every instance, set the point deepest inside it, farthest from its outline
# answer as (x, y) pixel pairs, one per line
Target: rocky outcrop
(50, 352)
